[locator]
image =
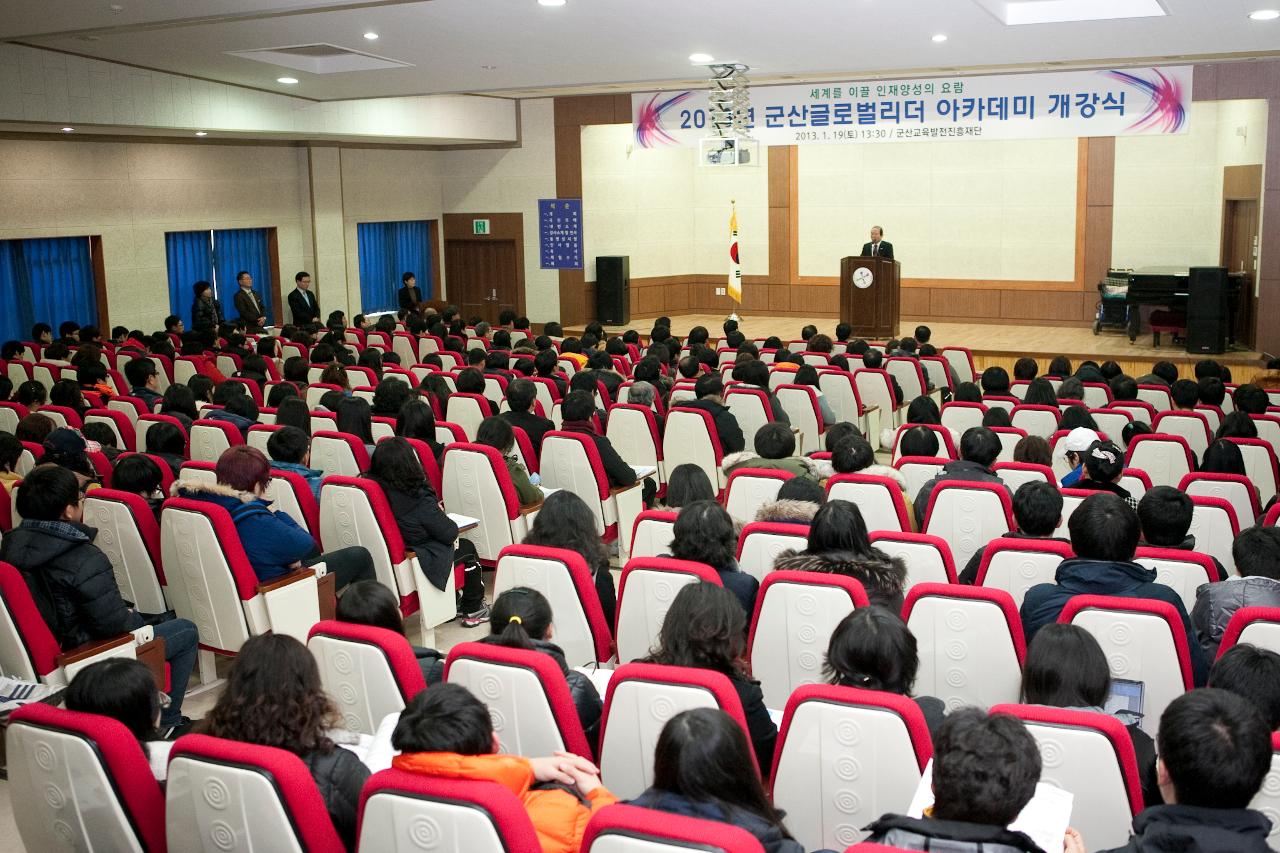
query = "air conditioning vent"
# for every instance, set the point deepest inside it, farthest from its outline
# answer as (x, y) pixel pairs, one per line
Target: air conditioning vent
(322, 58)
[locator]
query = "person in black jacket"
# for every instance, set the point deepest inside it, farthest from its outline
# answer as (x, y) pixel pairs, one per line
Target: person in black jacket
(702, 768)
(1215, 752)
(206, 312)
(522, 619)
(520, 397)
(710, 392)
(707, 629)
(425, 527)
(409, 295)
(373, 604)
(565, 521)
(274, 698)
(74, 586)
(302, 302)
(577, 409)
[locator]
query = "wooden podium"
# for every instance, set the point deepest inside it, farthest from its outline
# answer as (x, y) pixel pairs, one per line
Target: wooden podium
(869, 296)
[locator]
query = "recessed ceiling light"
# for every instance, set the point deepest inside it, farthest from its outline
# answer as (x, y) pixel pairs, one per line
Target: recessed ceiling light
(550, 2)
(939, 38)
(700, 58)
(371, 35)
(1265, 15)
(288, 81)
(202, 133)
(68, 130)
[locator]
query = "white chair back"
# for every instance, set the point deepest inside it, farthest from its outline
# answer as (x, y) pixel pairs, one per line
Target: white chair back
(760, 548)
(966, 519)
(790, 635)
(197, 817)
(359, 679)
(122, 542)
(967, 651)
(551, 578)
(748, 492)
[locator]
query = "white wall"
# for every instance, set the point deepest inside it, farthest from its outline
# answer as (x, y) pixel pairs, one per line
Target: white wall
(1168, 190)
(664, 211)
(966, 209)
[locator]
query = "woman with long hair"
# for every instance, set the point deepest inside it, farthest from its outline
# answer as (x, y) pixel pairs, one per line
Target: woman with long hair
(274, 698)
(374, 604)
(704, 533)
(180, 401)
(687, 484)
(293, 411)
(416, 420)
(702, 768)
(565, 521)
(839, 544)
(124, 690)
(496, 432)
(706, 629)
(355, 417)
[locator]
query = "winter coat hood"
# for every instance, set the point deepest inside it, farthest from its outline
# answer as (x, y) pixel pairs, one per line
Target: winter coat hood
(883, 577)
(788, 511)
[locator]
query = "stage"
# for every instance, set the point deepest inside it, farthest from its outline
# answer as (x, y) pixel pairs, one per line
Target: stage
(993, 344)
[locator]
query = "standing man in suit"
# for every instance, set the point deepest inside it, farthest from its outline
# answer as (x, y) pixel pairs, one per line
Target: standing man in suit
(410, 296)
(302, 302)
(248, 306)
(878, 247)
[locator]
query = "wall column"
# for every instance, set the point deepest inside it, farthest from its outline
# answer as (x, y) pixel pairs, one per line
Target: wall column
(328, 235)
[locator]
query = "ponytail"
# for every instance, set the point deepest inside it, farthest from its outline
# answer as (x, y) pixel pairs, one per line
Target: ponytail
(520, 616)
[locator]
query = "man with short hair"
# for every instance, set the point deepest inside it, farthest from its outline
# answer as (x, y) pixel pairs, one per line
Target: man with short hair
(577, 410)
(1254, 673)
(775, 446)
(979, 448)
(143, 378)
(173, 325)
(985, 771)
(1185, 394)
(74, 585)
(878, 247)
(1166, 514)
(248, 306)
(1037, 510)
(520, 396)
(1215, 752)
(290, 450)
(710, 393)
(873, 359)
(1104, 536)
(1257, 556)
(302, 302)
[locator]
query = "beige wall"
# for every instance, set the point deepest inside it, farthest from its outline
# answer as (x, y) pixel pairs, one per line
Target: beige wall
(132, 193)
(1168, 190)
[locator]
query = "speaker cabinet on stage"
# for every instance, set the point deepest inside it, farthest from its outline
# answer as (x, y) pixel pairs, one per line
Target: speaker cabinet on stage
(613, 289)
(1207, 310)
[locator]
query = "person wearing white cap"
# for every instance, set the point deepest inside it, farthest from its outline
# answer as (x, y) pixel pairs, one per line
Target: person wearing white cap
(1074, 445)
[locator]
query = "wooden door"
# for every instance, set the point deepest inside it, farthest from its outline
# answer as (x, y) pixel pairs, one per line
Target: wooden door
(482, 277)
(1240, 254)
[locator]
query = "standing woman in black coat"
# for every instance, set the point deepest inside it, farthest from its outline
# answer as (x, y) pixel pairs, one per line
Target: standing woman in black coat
(425, 527)
(206, 312)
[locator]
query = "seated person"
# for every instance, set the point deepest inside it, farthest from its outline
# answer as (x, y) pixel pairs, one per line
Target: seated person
(565, 521)
(710, 393)
(704, 533)
(355, 417)
(471, 381)
(1165, 514)
(702, 768)
(104, 436)
(1073, 447)
(274, 698)
(239, 410)
(290, 450)
(975, 798)
(921, 442)
(426, 528)
(874, 360)
(273, 542)
(389, 396)
(577, 410)
(447, 733)
(854, 455)
(872, 649)
(124, 690)
(373, 604)
(520, 396)
(10, 454)
(687, 483)
(496, 432)
(706, 629)
(167, 442)
(798, 501)
(1037, 511)
(602, 369)
(643, 394)
(755, 374)
(1257, 554)
(1066, 668)
(1215, 752)
(775, 447)
(144, 381)
(1104, 536)
(74, 585)
(417, 421)
(139, 474)
(1253, 673)
(979, 448)
(1103, 468)
(839, 545)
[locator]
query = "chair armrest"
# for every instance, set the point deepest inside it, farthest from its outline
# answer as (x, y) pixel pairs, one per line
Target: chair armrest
(532, 508)
(93, 649)
(293, 577)
(617, 490)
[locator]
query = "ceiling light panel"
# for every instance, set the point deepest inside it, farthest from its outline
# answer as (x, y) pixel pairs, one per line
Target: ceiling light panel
(1015, 13)
(320, 58)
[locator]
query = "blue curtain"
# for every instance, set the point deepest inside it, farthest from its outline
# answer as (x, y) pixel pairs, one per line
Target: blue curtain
(242, 249)
(190, 256)
(46, 280)
(387, 250)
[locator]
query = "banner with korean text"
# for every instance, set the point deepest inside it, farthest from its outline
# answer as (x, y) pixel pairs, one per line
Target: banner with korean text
(999, 106)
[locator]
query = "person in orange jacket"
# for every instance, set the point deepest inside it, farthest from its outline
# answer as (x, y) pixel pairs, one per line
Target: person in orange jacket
(447, 732)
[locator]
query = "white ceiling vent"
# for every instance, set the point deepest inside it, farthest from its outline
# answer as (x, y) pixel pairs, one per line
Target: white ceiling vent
(320, 58)
(1014, 13)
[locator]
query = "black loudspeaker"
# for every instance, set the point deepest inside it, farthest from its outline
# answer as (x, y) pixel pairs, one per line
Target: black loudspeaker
(1207, 310)
(613, 289)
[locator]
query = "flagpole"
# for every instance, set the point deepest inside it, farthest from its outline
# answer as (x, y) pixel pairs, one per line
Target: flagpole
(735, 268)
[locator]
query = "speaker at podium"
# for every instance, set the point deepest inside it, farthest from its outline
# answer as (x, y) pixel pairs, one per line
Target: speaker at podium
(869, 295)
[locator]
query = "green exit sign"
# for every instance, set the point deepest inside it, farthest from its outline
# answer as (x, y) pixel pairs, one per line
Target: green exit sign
(480, 227)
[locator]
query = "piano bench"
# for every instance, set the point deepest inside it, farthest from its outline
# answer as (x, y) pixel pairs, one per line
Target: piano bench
(1173, 323)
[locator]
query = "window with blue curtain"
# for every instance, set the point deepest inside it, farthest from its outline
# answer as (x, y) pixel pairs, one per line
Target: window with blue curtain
(388, 250)
(45, 280)
(216, 257)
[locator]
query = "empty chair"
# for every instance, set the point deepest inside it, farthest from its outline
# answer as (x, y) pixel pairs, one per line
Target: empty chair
(795, 615)
(1036, 420)
(1016, 565)
(652, 533)
(962, 416)
(223, 795)
(1136, 482)
(1232, 488)
(653, 582)
(467, 411)
(640, 700)
(845, 757)
(81, 782)
(1166, 458)
(1112, 422)
(1157, 395)
(961, 361)
(800, 402)
(564, 578)
(752, 409)
(880, 500)
(761, 542)
(968, 515)
(909, 375)
(1091, 756)
(970, 644)
(1144, 640)
(749, 489)
(1185, 571)
(875, 389)
(400, 810)
(527, 697)
(928, 558)
(621, 828)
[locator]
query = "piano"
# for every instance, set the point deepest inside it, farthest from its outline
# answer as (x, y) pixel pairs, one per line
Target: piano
(1168, 287)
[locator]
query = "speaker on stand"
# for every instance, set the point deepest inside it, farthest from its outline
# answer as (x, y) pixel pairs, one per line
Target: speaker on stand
(1207, 310)
(613, 289)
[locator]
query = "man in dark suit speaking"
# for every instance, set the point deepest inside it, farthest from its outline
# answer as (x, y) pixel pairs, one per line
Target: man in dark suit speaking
(878, 247)
(302, 302)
